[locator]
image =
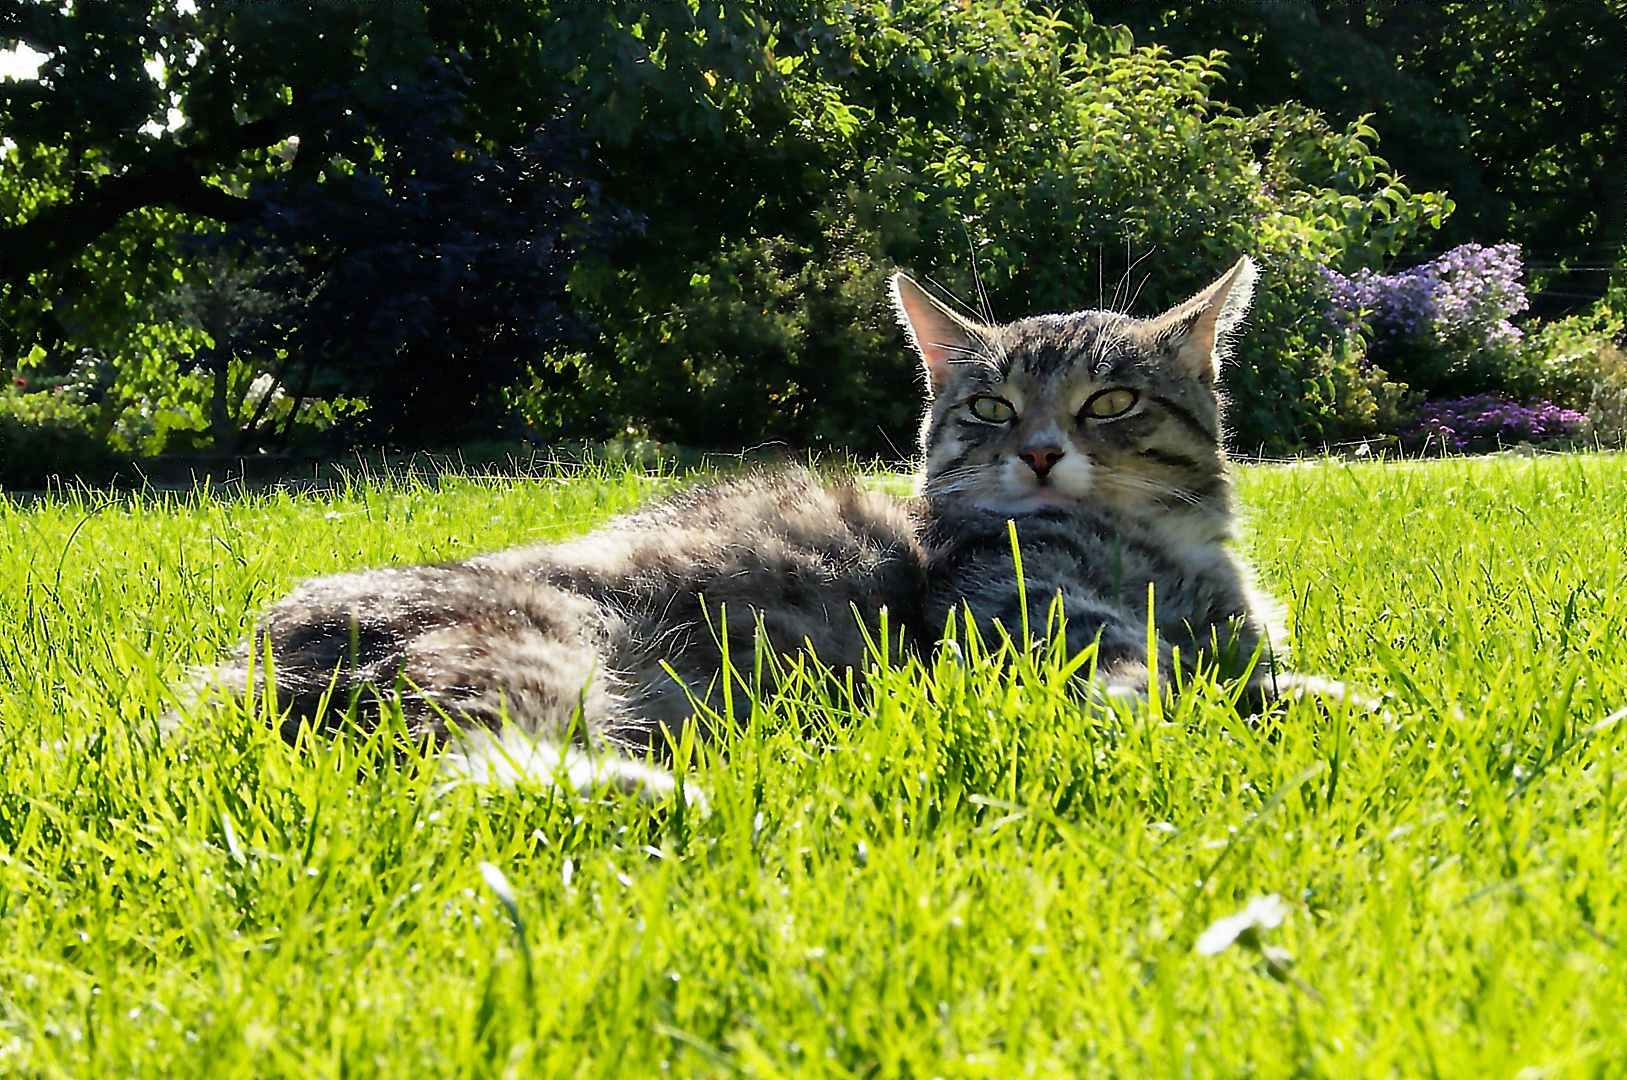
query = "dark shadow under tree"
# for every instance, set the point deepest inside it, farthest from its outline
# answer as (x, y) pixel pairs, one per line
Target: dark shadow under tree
(422, 270)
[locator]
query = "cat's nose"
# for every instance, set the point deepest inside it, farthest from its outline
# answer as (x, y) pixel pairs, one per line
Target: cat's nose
(1041, 458)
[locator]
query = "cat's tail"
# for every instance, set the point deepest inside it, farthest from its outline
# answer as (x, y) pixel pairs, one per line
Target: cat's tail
(507, 755)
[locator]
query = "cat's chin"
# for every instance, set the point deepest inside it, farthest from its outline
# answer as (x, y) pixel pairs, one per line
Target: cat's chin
(1032, 501)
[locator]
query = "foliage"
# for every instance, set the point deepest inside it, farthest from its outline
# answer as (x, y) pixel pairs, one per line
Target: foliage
(1492, 422)
(424, 274)
(958, 872)
(1364, 401)
(1578, 361)
(102, 176)
(1607, 401)
(1515, 108)
(1034, 147)
(51, 436)
(781, 159)
(776, 341)
(1442, 326)
(151, 121)
(229, 305)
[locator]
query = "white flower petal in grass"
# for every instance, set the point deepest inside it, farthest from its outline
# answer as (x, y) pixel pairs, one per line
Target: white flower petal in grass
(231, 838)
(1261, 913)
(499, 885)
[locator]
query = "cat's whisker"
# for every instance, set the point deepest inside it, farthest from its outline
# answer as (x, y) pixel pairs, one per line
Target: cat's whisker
(1149, 486)
(955, 484)
(968, 356)
(1144, 279)
(977, 279)
(957, 301)
(1124, 278)
(1107, 345)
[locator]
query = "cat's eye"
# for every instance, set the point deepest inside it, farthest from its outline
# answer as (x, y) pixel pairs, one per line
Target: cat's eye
(993, 409)
(1106, 404)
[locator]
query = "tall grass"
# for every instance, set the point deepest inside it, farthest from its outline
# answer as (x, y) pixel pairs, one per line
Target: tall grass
(955, 871)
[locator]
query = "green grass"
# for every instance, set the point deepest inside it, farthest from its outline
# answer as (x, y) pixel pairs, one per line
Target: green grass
(970, 877)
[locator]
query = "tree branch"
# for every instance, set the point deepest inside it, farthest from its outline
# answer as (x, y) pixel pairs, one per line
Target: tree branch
(57, 234)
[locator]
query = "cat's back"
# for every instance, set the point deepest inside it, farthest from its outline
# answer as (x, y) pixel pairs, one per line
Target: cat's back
(756, 539)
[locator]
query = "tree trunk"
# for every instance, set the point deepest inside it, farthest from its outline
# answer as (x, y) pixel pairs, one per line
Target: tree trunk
(222, 432)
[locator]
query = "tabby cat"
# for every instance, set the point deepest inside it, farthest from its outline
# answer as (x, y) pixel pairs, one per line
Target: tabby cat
(1097, 433)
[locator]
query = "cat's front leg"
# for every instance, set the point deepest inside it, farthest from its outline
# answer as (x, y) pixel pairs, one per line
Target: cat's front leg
(1267, 687)
(1120, 671)
(510, 756)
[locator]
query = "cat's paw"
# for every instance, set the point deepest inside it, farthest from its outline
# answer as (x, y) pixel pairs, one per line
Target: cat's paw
(1293, 686)
(513, 757)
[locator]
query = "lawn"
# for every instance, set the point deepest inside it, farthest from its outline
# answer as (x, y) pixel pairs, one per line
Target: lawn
(958, 873)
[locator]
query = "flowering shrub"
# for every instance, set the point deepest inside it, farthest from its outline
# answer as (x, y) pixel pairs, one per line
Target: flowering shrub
(1490, 421)
(1442, 325)
(1607, 400)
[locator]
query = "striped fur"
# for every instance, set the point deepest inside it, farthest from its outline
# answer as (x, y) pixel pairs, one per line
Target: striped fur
(567, 662)
(1104, 505)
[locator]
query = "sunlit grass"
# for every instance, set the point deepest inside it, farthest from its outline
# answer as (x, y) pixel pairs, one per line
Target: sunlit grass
(954, 873)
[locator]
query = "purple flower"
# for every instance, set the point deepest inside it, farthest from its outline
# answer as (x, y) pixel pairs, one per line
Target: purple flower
(1463, 300)
(1489, 421)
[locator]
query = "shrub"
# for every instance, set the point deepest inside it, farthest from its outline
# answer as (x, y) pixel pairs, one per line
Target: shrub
(1364, 402)
(1560, 357)
(992, 147)
(1607, 399)
(1443, 327)
(52, 435)
(1492, 422)
(777, 341)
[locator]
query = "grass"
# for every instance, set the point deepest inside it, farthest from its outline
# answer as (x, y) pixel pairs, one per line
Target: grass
(967, 877)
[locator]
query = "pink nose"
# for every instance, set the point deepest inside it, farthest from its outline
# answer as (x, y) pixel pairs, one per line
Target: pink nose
(1041, 458)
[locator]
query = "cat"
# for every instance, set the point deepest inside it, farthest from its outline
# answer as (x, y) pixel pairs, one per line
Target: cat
(1097, 435)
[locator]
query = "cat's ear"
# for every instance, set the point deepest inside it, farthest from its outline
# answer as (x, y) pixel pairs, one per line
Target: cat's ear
(1198, 330)
(938, 334)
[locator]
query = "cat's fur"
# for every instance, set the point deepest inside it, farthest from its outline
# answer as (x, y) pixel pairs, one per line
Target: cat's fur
(618, 632)
(614, 632)
(1103, 506)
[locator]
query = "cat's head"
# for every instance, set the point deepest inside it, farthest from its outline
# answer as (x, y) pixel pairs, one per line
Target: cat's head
(1094, 409)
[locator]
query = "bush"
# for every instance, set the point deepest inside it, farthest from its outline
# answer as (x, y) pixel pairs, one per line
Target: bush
(1607, 401)
(1492, 422)
(997, 149)
(46, 436)
(1365, 403)
(1578, 362)
(1443, 327)
(777, 341)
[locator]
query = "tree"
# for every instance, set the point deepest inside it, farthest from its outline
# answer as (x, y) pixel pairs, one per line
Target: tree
(230, 305)
(1518, 109)
(428, 271)
(315, 137)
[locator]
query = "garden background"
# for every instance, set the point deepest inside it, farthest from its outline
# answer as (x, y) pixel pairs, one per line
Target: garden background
(313, 229)
(241, 228)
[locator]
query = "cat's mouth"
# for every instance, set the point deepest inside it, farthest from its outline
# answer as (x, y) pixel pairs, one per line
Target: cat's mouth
(1020, 491)
(1039, 496)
